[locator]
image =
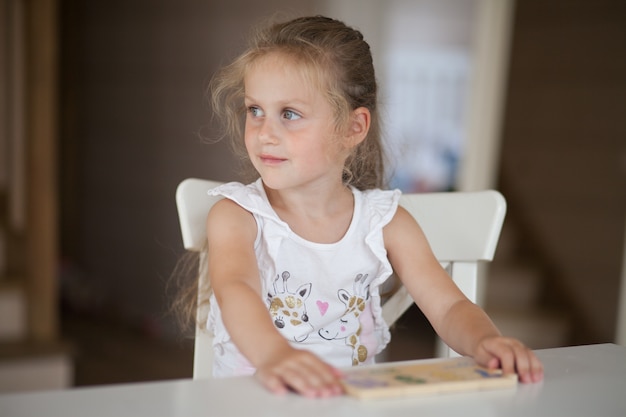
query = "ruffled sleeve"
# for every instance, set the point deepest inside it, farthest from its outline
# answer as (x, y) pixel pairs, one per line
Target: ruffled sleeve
(379, 207)
(251, 197)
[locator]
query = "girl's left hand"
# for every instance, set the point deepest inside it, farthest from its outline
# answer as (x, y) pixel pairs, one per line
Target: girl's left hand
(511, 356)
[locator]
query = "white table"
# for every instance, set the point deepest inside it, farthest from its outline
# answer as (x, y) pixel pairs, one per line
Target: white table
(579, 381)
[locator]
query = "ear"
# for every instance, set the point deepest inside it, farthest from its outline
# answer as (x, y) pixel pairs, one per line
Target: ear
(358, 127)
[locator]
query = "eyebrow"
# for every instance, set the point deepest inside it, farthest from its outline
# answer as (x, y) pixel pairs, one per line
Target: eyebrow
(283, 103)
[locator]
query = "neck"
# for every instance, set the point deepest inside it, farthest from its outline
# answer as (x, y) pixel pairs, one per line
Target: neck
(314, 200)
(321, 214)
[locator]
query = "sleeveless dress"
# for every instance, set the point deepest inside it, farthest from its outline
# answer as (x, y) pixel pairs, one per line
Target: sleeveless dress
(321, 297)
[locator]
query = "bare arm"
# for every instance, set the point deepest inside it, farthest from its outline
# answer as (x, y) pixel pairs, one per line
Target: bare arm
(460, 323)
(234, 275)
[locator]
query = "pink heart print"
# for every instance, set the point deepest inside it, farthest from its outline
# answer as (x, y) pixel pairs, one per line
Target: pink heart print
(323, 306)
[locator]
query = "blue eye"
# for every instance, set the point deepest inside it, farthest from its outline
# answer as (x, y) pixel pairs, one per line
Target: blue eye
(291, 115)
(255, 111)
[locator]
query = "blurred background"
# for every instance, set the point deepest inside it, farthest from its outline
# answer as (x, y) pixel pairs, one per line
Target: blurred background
(103, 112)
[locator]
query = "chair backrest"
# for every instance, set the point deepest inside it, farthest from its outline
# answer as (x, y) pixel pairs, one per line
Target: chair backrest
(462, 228)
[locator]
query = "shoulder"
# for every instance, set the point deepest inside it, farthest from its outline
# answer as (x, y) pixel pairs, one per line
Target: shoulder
(408, 249)
(404, 216)
(402, 219)
(402, 229)
(228, 219)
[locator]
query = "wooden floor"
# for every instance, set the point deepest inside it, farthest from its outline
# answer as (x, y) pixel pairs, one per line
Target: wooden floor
(106, 352)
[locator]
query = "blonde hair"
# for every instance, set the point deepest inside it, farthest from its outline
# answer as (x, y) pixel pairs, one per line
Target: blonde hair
(333, 56)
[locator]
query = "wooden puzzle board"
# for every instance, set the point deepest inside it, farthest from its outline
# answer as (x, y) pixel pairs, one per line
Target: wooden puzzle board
(423, 378)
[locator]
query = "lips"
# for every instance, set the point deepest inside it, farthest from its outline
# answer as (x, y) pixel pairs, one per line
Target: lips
(271, 159)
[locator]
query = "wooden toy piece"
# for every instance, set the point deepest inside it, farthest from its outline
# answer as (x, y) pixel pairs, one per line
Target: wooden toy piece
(423, 378)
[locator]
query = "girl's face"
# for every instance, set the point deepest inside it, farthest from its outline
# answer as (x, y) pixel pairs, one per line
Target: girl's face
(290, 132)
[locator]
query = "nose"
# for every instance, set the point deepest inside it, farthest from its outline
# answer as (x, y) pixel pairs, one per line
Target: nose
(267, 132)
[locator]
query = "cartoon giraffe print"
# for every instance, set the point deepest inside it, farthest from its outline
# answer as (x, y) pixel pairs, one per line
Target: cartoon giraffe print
(349, 326)
(288, 309)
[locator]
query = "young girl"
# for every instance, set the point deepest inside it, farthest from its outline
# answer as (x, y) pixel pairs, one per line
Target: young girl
(297, 258)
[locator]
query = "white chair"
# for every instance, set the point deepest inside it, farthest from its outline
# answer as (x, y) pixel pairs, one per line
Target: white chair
(462, 227)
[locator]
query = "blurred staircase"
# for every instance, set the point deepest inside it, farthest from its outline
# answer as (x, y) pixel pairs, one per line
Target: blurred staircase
(26, 364)
(515, 295)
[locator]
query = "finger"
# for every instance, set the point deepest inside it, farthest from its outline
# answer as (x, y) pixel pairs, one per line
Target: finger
(503, 350)
(308, 379)
(522, 363)
(516, 357)
(485, 357)
(507, 359)
(493, 363)
(271, 382)
(322, 378)
(298, 379)
(536, 368)
(302, 372)
(528, 366)
(319, 374)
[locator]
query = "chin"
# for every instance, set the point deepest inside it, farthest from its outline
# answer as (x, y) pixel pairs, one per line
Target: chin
(274, 183)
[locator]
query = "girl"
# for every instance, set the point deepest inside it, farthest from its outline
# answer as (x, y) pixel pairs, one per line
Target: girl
(297, 258)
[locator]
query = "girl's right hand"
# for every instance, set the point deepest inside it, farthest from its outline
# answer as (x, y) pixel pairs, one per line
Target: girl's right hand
(300, 371)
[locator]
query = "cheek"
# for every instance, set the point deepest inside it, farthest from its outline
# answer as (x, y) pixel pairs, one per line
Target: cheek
(248, 139)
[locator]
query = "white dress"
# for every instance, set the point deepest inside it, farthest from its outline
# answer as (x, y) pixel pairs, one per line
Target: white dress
(321, 297)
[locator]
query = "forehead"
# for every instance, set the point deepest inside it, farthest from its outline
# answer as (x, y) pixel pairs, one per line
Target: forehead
(288, 68)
